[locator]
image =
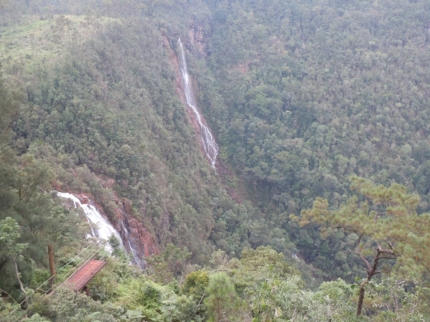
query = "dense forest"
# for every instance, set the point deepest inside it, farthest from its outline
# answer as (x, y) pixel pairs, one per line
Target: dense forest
(318, 206)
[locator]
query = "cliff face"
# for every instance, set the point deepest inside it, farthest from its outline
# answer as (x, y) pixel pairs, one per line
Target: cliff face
(198, 38)
(197, 44)
(137, 240)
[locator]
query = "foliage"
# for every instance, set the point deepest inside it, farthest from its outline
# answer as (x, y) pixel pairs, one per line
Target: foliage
(170, 264)
(195, 286)
(66, 305)
(222, 301)
(9, 234)
(312, 93)
(385, 215)
(300, 96)
(387, 226)
(396, 299)
(104, 286)
(274, 291)
(155, 302)
(196, 283)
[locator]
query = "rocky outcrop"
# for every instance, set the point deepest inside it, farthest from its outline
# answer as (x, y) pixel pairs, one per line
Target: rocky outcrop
(137, 239)
(140, 238)
(198, 40)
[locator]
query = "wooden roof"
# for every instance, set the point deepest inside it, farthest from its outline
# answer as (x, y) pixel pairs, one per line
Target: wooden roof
(84, 274)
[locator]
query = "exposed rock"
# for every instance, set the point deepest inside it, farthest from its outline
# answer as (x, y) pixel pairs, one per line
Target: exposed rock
(140, 238)
(86, 200)
(233, 185)
(180, 91)
(137, 240)
(175, 64)
(198, 39)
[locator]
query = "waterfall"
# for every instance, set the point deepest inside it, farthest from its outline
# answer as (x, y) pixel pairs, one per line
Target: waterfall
(103, 229)
(209, 145)
(137, 260)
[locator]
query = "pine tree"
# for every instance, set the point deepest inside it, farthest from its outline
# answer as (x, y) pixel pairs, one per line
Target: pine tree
(222, 301)
(386, 224)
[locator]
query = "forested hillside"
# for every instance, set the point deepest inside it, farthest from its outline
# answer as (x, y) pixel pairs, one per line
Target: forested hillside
(317, 91)
(300, 96)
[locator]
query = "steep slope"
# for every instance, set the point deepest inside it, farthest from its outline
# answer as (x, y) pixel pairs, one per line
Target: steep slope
(315, 91)
(107, 105)
(102, 108)
(299, 96)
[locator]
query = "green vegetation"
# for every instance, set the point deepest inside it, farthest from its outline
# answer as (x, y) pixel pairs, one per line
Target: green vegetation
(312, 93)
(386, 226)
(301, 96)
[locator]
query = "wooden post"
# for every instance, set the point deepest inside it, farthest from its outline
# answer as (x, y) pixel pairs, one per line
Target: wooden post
(51, 265)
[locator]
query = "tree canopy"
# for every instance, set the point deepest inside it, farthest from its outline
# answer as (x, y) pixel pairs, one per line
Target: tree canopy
(386, 225)
(300, 96)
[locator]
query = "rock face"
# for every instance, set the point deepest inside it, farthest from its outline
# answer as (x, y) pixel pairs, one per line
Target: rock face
(137, 240)
(140, 238)
(198, 40)
(175, 64)
(180, 90)
(85, 199)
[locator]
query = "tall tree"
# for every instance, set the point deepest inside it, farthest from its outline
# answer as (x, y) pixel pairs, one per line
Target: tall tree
(9, 108)
(9, 235)
(25, 183)
(387, 226)
(222, 301)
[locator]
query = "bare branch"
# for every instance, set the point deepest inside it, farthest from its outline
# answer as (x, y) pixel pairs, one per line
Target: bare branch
(391, 246)
(369, 267)
(359, 239)
(380, 250)
(20, 283)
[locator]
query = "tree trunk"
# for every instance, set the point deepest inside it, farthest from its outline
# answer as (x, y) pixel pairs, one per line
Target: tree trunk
(51, 265)
(360, 300)
(371, 270)
(20, 283)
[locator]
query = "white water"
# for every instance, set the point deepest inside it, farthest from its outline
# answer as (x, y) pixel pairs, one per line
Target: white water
(209, 145)
(136, 258)
(101, 228)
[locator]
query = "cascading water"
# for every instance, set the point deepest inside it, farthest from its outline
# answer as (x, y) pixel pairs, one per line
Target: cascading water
(209, 145)
(104, 230)
(136, 258)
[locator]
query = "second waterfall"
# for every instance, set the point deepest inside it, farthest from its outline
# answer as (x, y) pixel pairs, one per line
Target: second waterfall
(209, 145)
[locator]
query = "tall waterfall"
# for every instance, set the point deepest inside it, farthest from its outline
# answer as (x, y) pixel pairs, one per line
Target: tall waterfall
(209, 145)
(103, 230)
